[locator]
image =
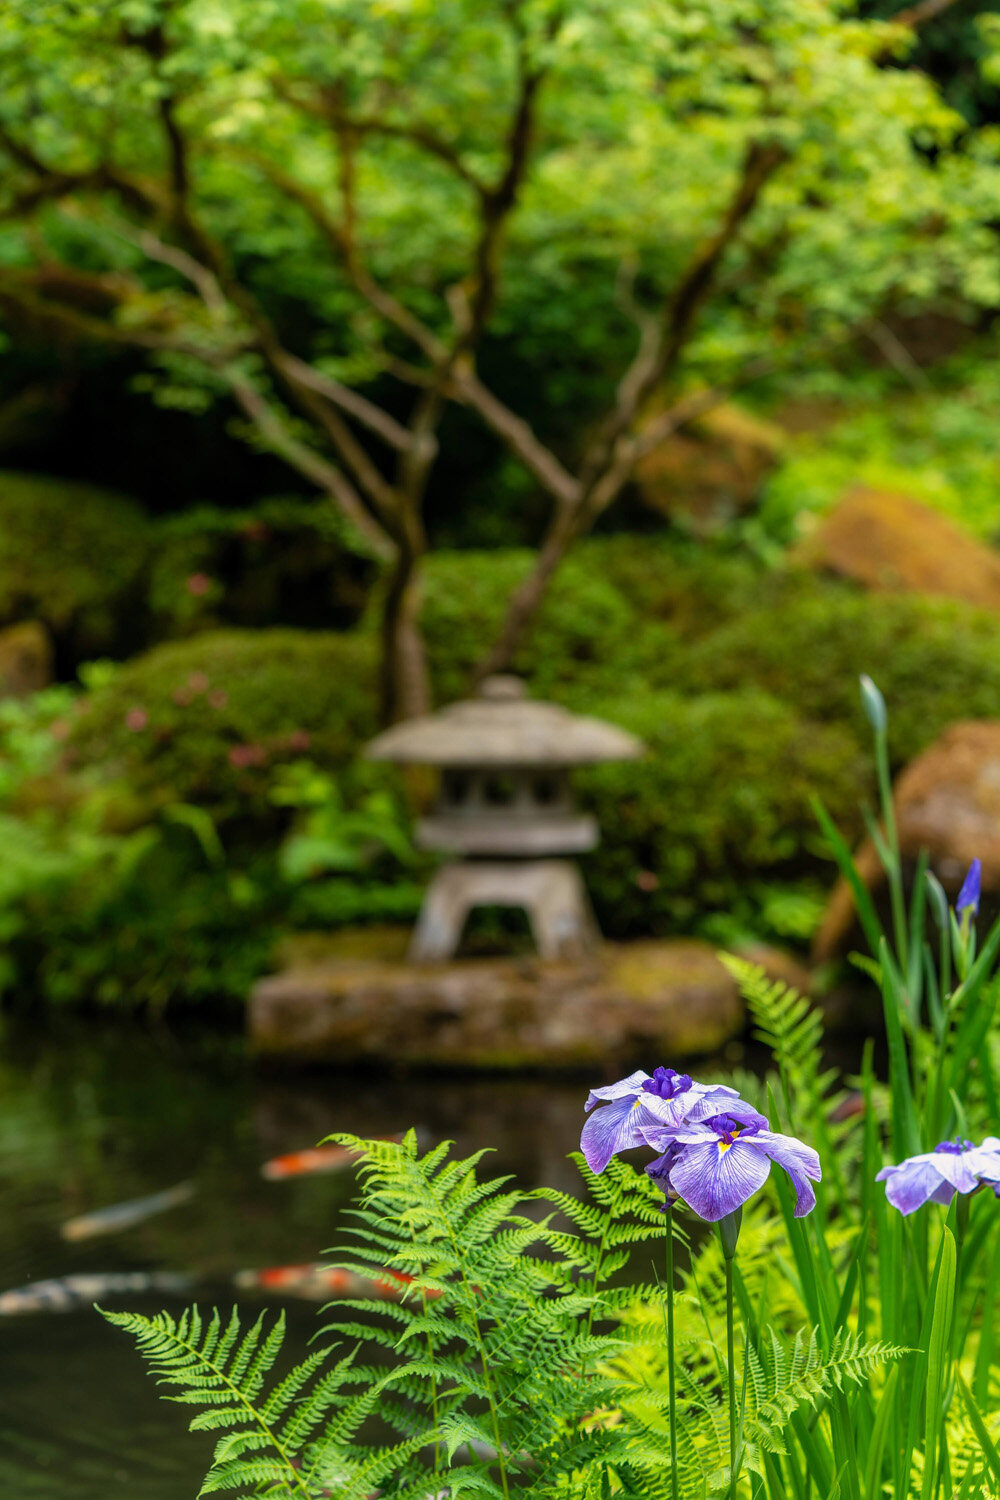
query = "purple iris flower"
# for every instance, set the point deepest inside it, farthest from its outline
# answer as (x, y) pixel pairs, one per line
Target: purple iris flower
(659, 1172)
(717, 1163)
(968, 896)
(639, 1103)
(936, 1176)
(984, 1161)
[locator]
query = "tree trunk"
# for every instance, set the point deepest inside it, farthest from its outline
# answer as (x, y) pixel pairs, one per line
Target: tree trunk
(405, 682)
(526, 600)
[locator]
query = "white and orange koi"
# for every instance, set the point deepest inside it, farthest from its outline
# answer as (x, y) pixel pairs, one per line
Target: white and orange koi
(124, 1215)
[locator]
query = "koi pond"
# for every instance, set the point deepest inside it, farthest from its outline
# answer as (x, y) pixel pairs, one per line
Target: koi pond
(94, 1116)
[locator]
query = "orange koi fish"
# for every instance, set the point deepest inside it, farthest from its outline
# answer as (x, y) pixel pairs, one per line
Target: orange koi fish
(316, 1159)
(319, 1283)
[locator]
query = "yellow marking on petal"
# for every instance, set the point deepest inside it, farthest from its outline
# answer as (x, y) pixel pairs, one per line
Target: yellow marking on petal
(724, 1146)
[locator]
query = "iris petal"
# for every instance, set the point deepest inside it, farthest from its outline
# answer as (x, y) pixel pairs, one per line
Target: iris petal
(631, 1085)
(616, 1127)
(799, 1161)
(910, 1185)
(714, 1182)
(955, 1170)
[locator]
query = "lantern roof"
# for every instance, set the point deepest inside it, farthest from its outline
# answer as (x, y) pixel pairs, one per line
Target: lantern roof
(501, 726)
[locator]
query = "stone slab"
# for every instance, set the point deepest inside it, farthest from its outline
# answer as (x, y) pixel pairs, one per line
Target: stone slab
(646, 1000)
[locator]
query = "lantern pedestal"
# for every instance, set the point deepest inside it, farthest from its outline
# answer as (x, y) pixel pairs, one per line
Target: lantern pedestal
(550, 891)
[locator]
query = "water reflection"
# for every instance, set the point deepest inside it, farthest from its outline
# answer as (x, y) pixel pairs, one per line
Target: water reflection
(91, 1116)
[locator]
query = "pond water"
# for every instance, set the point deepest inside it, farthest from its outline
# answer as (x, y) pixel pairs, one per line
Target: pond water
(92, 1115)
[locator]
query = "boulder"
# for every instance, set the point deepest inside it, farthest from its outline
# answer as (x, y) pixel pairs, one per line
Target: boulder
(710, 471)
(886, 540)
(635, 1001)
(947, 801)
(25, 659)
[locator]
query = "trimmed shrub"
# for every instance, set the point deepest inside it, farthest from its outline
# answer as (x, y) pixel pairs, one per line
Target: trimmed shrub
(935, 661)
(205, 720)
(587, 634)
(722, 796)
(693, 586)
(73, 557)
(286, 562)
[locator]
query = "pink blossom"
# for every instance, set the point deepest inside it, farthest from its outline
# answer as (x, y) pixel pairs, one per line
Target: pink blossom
(218, 698)
(241, 756)
(198, 584)
(181, 696)
(299, 739)
(647, 880)
(136, 719)
(198, 682)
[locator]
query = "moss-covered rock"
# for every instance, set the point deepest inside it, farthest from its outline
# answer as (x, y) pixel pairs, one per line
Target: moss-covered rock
(205, 720)
(73, 557)
(936, 661)
(722, 797)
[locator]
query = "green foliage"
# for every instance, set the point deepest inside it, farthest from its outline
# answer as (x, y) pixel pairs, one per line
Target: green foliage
(513, 1358)
(722, 797)
(938, 660)
(885, 197)
(522, 1353)
(587, 634)
(113, 897)
(285, 562)
(207, 720)
(331, 836)
(937, 444)
(72, 556)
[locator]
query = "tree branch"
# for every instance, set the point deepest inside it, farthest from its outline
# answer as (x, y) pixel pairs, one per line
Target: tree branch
(518, 435)
(914, 16)
(307, 461)
(364, 411)
(391, 309)
(414, 133)
(659, 354)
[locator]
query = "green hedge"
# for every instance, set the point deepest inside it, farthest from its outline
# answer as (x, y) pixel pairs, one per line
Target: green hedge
(588, 635)
(287, 561)
(204, 720)
(72, 556)
(935, 661)
(723, 796)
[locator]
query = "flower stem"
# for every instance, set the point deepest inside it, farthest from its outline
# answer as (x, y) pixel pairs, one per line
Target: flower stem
(671, 1383)
(731, 1360)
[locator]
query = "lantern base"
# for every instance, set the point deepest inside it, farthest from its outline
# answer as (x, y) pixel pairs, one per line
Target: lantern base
(550, 891)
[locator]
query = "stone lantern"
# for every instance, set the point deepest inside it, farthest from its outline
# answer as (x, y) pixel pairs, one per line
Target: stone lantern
(505, 812)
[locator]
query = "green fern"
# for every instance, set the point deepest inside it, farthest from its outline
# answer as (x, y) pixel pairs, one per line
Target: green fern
(514, 1360)
(491, 1370)
(212, 1366)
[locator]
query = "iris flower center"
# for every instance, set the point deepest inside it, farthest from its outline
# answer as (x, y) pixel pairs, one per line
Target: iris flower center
(728, 1129)
(955, 1147)
(667, 1084)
